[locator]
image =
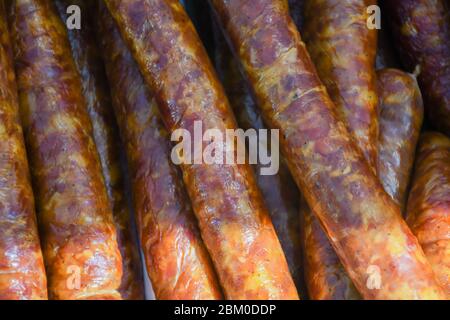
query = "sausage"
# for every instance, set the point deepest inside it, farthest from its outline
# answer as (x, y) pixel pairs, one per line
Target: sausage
(96, 92)
(279, 191)
(421, 29)
(177, 261)
(378, 250)
(22, 272)
(401, 118)
(429, 203)
(233, 219)
(343, 49)
(77, 229)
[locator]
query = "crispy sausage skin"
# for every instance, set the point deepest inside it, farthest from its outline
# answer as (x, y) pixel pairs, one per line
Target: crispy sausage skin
(401, 118)
(233, 219)
(343, 49)
(422, 32)
(378, 250)
(22, 272)
(89, 64)
(279, 191)
(429, 203)
(177, 261)
(78, 234)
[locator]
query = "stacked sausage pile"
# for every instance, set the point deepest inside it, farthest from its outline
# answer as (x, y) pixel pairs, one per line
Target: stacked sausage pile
(360, 208)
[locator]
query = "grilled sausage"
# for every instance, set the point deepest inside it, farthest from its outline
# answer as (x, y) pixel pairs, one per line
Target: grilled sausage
(177, 261)
(233, 219)
(279, 191)
(94, 84)
(429, 203)
(401, 117)
(78, 234)
(343, 49)
(422, 32)
(379, 252)
(22, 273)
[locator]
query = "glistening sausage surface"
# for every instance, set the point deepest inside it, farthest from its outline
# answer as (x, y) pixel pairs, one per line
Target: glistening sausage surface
(429, 203)
(233, 219)
(343, 49)
(279, 191)
(401, 117)
(22, 273)
(364, 224)
(422, 32)
(77, 229)
(89, 64)
(177, 261)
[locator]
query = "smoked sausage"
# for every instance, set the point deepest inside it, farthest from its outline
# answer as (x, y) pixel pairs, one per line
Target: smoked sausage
(422, 32)
(22, 272)
(77, 229)
(429, 203)
(89, 65)
(177, 261)
(343, 49)
(279, 191)
(233, 219)
(401, 117)
(378, 250)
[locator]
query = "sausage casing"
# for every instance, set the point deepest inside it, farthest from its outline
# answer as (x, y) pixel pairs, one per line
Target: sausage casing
(401, 117)
(279, 191)
(77, 229)
(22, 273)
(429, 203)
(106, 136)
(422, 32)
(177, 261)
(365, 226)
(343, 49)
(233, 219)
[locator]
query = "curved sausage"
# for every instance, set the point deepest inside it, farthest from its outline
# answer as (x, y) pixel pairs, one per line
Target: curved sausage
(429, 203)
(422, 32)
(365, 226)
(106, 136)
(233, 219)
(22, 272)
(177, 261)
(279, 191)
(401, 117)
(343, 49)
(77, 229)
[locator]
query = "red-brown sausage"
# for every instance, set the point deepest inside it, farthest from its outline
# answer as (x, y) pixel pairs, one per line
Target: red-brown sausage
(343, 49)
(279, 191)
(234, 221)
(401, 117)
(422, 32)
(429, 203)
(77, 228)
(22, 273)
(177, 261)
(89, 64)
(378, 250)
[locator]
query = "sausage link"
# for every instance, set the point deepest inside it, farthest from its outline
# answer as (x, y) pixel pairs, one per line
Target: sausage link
(429, 203)
(401, 118)
(22, 272)
(106, 136)
(233, 219)
(422, 32)
(177, 261)
(343, 49)
(279, 191)
(78, 234)
(378, 250)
